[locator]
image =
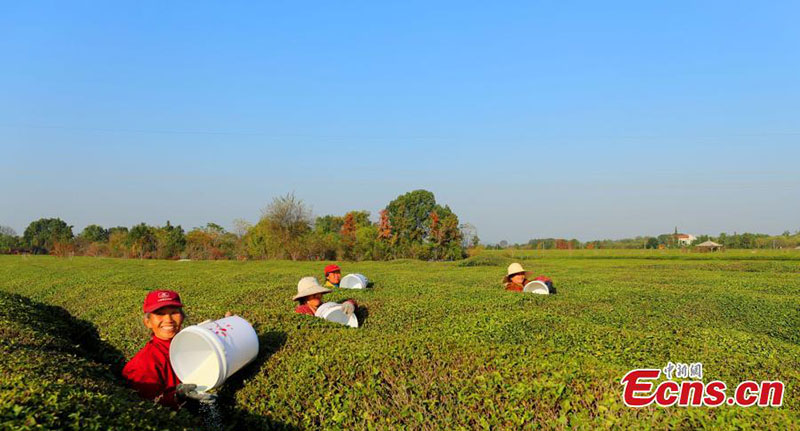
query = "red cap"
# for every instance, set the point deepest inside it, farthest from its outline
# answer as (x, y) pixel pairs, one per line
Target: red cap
(332, 268)
(161, 298)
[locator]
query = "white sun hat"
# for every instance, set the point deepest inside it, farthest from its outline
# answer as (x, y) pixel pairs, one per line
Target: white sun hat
(308, 286)
(514, 268)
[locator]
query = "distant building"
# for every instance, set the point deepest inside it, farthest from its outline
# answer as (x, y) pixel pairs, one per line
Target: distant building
(709, 246)
(684, 238)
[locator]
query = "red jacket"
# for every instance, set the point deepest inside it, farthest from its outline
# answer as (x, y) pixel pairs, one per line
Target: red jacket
(150, 373)
(516, 287)
(304, 309)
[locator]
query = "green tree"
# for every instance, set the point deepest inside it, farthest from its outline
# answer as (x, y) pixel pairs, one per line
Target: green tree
(95, 233)
(652, 243)
(117, 229)
(367, 245)
(328, 224)
(409, 214)
(320, 246)
(747, 240)
(213, 228)
(211, 242)
(9, 241)
(142, 241)
(41, 235)
(361, 218)
(423, 229)
(171, 241)
(476, 241)
(282, 231)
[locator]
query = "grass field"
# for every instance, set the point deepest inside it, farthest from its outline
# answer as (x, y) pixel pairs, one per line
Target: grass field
(442, 346)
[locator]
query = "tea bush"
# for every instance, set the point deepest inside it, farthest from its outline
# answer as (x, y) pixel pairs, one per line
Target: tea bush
(443, 346)
(53, 377)
(485, 259)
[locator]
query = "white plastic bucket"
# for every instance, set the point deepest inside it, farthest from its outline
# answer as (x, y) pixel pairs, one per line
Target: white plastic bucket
(536, 286)
(332, 311)
(354, 281)
(208, 353)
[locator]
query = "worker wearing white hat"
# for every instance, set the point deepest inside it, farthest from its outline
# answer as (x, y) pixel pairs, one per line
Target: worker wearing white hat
(517, 277)
(309, 296)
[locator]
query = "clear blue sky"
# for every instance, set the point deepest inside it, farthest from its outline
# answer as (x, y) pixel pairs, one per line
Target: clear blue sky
(530, 119)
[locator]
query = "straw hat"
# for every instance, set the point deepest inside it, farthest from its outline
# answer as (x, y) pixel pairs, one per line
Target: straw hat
(308, 286)
(515, 268)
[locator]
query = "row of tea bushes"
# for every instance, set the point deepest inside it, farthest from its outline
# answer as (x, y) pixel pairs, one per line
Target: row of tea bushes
(56, 373)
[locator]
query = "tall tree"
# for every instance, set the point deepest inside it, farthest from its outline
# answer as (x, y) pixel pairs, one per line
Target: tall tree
(469, 235)
(42, 234)
(95, 233)
(9, 242)
(289, 215)
(282, 230)
(328, 224)
(384, 226)
(410, 215)
(422, 228)
(348, 234)
(142, 241)
(361, 218)
(171, 240)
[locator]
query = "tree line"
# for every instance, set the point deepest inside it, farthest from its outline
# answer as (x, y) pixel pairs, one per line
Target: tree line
(668, 241)
(413, 225)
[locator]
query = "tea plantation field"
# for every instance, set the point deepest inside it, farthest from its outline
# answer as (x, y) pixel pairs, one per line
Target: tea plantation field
(442, 346)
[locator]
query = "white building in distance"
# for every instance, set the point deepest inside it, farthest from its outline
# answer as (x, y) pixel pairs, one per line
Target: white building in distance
(685, 238)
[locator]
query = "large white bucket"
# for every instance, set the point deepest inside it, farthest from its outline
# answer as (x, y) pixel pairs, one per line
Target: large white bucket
(354, 281)
(536, 286)
(208, 353)
(332, 311)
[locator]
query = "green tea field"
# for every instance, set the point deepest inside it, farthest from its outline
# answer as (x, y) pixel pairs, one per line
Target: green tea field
(441, 346)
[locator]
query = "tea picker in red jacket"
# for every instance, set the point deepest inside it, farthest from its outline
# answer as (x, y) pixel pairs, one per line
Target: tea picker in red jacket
(516, 278)
(309, 296)
(149, 372)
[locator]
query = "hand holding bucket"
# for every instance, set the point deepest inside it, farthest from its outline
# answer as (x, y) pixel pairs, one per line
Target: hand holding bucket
(209, 353)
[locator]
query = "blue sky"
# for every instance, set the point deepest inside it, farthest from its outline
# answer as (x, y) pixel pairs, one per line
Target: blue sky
(530, 119)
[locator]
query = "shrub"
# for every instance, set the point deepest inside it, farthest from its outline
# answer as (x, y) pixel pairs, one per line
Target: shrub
(97, 249)
(58, 374)
(485, 259)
